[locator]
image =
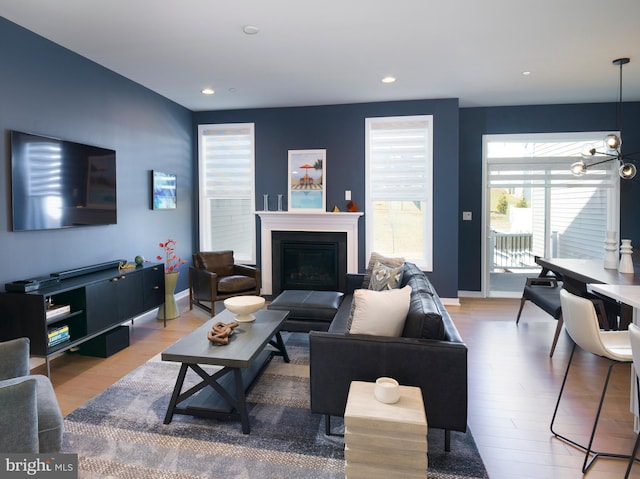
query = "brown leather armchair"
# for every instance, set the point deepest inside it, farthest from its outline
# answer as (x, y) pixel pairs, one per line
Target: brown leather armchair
(215, 276)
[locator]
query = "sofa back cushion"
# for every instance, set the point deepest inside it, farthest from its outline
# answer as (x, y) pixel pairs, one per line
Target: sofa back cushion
(424, 319)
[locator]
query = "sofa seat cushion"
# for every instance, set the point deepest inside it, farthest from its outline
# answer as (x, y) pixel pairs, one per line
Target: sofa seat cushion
(235, 283)
(310, 305)
(380, 313)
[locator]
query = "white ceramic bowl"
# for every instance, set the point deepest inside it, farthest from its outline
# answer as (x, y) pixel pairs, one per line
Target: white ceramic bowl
(387, 390)
(244, 306)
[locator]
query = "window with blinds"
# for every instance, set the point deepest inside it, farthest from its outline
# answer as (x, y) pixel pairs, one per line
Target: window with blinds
(399, 179)
(226, 179)
(569, 214)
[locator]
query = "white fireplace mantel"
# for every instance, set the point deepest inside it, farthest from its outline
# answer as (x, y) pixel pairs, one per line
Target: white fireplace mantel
(293, 221)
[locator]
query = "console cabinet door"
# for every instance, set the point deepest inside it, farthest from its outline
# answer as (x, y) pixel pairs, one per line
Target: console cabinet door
(153, 284)
(129, 288)
(102, 305)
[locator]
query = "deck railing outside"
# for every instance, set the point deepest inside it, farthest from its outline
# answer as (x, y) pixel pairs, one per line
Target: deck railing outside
(512, 251)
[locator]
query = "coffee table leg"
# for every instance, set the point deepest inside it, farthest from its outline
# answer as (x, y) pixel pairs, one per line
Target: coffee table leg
(241, 402)
(176, 393)
(279, 345)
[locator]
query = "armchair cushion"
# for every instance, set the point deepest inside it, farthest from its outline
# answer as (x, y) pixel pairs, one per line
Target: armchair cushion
(235, 283)
(18, 415)
(29, 406)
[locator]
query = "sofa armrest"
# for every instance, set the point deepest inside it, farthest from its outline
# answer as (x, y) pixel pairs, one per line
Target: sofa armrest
(439, 368)
(203, 283)
(353, 282)
(19, 415)
(15, 358)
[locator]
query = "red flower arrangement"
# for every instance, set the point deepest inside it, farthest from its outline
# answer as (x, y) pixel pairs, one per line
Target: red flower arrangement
(173, 262)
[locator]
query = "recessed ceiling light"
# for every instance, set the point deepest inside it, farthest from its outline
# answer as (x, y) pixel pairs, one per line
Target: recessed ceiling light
(526, 73)
(250, 29)
(208, 91)
(389, 79)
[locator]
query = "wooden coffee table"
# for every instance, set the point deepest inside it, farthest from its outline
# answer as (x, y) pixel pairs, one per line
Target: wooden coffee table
(240, 363)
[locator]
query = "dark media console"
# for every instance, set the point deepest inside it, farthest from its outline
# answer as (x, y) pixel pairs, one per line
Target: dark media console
(69, 308)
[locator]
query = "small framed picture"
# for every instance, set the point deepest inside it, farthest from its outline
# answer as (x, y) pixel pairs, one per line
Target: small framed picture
(307, 188)
(164, 191)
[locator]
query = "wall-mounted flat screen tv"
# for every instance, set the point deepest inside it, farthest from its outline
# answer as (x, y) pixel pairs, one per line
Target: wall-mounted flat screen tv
(165, 188)
(58, 183)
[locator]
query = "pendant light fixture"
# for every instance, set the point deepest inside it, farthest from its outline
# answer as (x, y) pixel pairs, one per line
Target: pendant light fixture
(613, 144)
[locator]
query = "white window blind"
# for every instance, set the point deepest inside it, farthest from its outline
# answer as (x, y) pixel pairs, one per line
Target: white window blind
(399, 187)
(226, 177)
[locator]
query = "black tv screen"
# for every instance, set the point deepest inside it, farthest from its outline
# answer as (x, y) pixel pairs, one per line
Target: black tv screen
(58, 184)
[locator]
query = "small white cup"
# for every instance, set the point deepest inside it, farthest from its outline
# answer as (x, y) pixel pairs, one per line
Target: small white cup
(387, 390)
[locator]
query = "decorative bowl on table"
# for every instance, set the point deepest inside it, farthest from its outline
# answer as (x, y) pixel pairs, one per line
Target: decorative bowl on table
(244, 307)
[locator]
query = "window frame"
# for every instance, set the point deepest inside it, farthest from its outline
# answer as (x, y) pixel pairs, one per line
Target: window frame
(203, 220)
(426, 262)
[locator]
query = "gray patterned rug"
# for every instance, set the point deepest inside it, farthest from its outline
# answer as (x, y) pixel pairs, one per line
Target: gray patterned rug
(120, 433)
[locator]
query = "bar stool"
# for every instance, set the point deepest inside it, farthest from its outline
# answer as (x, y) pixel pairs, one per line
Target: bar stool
(581, 322)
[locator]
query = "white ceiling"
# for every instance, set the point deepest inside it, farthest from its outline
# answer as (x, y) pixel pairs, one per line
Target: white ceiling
(337, 51)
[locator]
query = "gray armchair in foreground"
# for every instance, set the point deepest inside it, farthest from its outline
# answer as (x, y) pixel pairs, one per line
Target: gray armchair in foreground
(30, 417)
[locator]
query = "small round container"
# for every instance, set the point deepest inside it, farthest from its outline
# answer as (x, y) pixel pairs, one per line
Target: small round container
(387, 390)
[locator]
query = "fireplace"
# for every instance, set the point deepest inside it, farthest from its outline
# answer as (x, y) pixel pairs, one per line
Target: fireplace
(290, 221)
(308, 260)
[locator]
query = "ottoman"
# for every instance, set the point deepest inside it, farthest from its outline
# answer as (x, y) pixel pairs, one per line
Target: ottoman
(308, 310)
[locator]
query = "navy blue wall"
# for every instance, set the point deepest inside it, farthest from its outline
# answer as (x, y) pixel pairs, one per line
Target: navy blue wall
(475, 122)
(340, 129)
(48, 90)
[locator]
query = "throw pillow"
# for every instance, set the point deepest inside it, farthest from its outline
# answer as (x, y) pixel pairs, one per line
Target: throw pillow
(377, 257)
(385, 277)
(380, 313)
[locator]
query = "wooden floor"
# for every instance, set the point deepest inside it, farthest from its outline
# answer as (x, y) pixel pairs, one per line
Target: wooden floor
(513, 386)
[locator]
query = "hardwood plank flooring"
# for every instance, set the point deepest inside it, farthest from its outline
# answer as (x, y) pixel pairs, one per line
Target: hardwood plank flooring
(513, 386)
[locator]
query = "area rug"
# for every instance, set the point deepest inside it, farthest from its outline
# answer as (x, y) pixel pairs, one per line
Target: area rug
(120, 433)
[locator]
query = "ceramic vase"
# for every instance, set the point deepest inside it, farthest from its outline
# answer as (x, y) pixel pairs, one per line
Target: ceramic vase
(626, 262)
(279, 202)
(611, 250)
(265, 203)
(169, 310)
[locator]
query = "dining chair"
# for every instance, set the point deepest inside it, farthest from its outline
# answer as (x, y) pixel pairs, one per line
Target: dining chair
(634, 337)
(581, 322)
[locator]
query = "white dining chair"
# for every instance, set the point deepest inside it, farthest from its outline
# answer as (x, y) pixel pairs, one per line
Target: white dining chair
(581, 322)
(634, 338)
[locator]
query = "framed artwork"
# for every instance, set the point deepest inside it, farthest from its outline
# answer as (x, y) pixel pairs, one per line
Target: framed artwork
(164, 191)
(307, 187)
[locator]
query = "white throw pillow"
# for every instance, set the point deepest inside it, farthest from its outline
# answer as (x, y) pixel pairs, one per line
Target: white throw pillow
(380, 313)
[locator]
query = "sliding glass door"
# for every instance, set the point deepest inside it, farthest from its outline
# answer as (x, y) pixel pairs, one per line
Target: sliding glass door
(534, 206)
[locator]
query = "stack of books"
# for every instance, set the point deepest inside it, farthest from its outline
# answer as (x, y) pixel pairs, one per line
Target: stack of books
(55, 310)
(58, 335)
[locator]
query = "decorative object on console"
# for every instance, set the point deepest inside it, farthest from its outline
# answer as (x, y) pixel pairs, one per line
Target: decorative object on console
(626, 261)
(307, 184)
(221, 332)
(244, 307)
(611, 250)
(613, 144)
(139, 260)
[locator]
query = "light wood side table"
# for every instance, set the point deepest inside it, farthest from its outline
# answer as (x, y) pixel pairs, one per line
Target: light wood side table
(384, 440)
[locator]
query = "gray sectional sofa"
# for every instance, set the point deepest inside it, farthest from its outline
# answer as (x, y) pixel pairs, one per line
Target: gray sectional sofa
(430, 354)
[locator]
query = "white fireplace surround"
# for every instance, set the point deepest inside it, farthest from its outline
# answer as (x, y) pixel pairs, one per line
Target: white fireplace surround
(292, 221)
